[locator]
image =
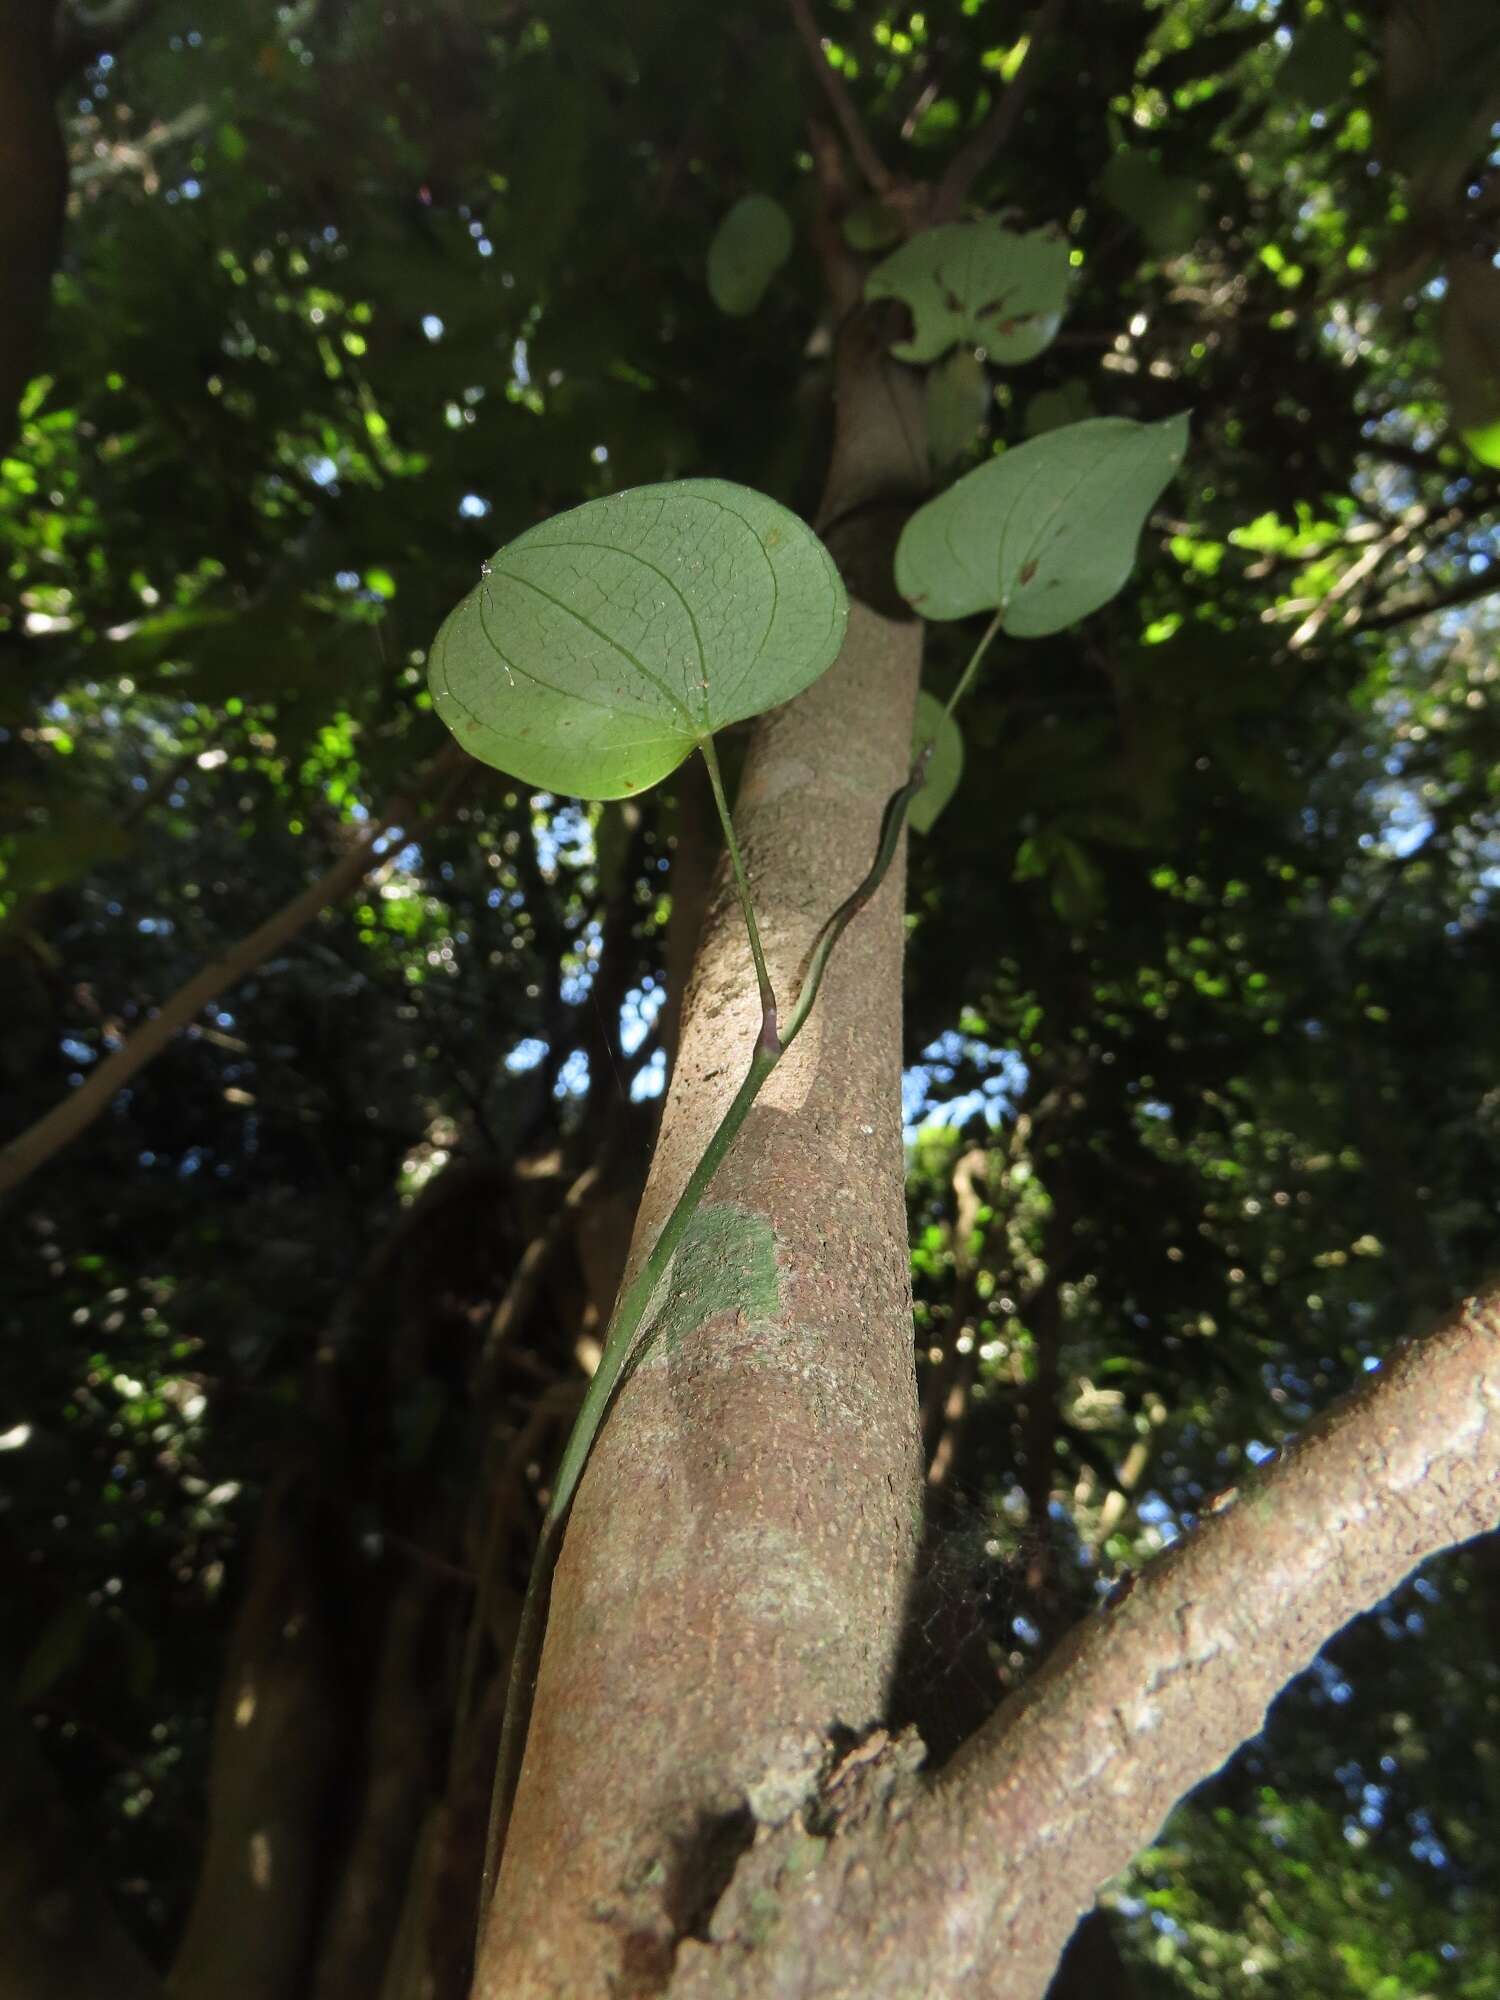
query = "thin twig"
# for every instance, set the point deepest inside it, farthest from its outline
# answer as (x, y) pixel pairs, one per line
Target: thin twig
(971, 159)
(1483, 585)
(879, 177)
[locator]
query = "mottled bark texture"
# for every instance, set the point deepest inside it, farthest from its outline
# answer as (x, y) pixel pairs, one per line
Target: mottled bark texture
(730, 1589)
(887, 1886)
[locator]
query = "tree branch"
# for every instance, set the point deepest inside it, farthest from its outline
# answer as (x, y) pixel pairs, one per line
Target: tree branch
(877, 175)
(65, 1121)
(976, 153)
(1467, 592)
(974, 1882)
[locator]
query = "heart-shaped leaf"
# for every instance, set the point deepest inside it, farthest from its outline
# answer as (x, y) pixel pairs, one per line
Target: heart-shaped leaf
(945, 766)
(1045, 533)
(750, 246)
(599, 648)
(980, 283)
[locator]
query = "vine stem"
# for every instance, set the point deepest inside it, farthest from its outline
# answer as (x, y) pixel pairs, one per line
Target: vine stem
(621, 1348)
(975, 660)
(742, 883)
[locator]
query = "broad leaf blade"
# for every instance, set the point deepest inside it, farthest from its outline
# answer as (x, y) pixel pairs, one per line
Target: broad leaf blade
(601, 646)
(1045, 533)
(945, 766)
(749, 247)
(958, 401)
(980, 283)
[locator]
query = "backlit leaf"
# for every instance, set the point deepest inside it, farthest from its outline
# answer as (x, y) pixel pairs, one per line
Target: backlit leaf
(945, 767)
(1045, 533)
(750, 246)
(599, 648)
(980, 283)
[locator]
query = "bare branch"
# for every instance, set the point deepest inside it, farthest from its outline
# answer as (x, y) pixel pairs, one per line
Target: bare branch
(1467, 592)
(976, 153)
(974, 1882)
(65, 1121)
(877, 175)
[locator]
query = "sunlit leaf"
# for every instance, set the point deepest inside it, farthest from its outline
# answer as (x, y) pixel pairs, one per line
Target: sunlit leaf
(750, 246)
(980, 283)
(945, 766)
(1045, 533)
(599, 648)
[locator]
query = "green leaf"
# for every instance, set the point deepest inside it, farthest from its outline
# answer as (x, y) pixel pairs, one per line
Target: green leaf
(945, 767)
(1050, 409)
(1165, 208)
(1320, 64)
(598, 649)
(958, 401)
(980, 283)
(750, 246)
(1045, 533)
(39, 859)
(1074, 884)
(870, 225)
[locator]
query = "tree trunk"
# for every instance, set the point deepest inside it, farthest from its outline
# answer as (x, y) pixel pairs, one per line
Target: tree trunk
(283, 1731)
(729, 1595)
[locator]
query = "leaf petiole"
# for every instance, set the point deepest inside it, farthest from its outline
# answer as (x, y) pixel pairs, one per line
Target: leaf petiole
(976, 659)
(768, 1035)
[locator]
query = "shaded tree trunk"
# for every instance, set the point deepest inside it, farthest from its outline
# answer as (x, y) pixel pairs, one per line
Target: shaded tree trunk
(283, 1730)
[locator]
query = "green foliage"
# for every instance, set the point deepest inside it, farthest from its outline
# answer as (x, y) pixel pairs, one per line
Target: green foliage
(599, 649)
(979, 283)
(1166, 208)
(1226, 1048)
(1046, 532)
(958, 402)
(945, 766)
(749, 247)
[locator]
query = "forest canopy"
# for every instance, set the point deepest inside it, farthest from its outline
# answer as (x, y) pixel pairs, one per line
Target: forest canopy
(336, 1060)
